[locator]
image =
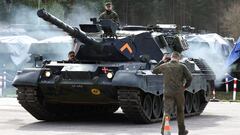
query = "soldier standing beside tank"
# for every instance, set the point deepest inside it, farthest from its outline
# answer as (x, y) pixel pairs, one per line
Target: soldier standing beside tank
(176, 79)
(109, 13)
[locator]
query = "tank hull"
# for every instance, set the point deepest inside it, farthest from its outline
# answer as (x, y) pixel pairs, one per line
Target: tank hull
(79, 93)
(88, 89)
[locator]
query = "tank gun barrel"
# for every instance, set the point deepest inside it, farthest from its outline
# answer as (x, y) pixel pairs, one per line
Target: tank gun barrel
(72, 31)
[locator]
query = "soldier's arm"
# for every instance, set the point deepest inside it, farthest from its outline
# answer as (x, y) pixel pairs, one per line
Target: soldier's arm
(158, 69)
(164, 60)
(188, 76)
(160, 63)
(116, 17)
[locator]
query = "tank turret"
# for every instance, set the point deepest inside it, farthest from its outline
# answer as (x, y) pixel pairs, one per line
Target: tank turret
(111, 48)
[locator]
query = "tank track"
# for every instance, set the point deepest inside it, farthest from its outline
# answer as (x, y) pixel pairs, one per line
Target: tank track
(203, 66)
(205, 69)
(27, 97)
(130, 102)
(31, 100)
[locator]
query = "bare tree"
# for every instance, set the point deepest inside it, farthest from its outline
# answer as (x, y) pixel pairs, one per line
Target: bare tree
(231, 20)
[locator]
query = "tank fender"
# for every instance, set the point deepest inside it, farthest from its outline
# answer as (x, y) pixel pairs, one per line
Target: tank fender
(199, 82)
(147, 82)
(27, 77)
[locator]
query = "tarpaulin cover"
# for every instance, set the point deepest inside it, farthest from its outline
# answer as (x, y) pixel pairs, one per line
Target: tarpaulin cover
(234, 55)
(212, 48)
(208, 45)
(17, 47)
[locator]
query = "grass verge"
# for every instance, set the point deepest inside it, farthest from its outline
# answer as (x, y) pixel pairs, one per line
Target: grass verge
(226, 97)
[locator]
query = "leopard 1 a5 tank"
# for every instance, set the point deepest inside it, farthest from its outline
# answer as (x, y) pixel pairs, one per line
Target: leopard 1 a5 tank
(114, 70)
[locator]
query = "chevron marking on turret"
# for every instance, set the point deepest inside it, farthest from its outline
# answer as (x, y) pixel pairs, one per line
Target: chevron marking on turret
(126, 46)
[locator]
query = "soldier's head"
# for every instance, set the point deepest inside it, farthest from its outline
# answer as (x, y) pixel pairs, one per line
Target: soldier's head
(108, 6)
(176, 56)
(71, 56)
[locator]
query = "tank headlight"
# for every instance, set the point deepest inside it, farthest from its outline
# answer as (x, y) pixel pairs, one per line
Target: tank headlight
(110, 75)
(47, 73)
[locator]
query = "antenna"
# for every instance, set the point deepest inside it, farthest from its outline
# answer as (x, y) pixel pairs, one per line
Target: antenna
(39, 4)
(126, 13)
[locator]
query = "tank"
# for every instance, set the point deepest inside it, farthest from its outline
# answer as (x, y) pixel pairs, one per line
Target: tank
(114, 70)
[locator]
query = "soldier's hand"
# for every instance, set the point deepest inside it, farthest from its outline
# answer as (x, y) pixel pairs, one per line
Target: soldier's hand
(166, 58)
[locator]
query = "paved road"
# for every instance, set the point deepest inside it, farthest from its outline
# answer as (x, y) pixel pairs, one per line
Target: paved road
(218, 119)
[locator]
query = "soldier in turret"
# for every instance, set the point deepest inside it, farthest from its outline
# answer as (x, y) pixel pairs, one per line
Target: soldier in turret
(109, 13)
(72, 57)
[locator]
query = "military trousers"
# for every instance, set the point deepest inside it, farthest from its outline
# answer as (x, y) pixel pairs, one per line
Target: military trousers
(172, 100)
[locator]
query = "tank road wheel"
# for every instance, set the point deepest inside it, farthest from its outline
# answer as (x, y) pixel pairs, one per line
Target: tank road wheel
(205, 96)
(137, 106)
(157, 106)
(188, 103)
(207, 93)
(147, 106)
(196, 102)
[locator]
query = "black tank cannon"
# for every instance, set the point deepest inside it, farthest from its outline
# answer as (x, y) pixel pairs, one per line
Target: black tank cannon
(72, 31)
(111, 74)
(101, 50)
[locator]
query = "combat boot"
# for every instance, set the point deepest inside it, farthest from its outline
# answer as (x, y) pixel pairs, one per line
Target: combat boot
(183, 133)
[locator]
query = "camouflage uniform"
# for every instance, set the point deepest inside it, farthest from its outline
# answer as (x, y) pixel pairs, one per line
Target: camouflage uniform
(110, 15)
(175, 75)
